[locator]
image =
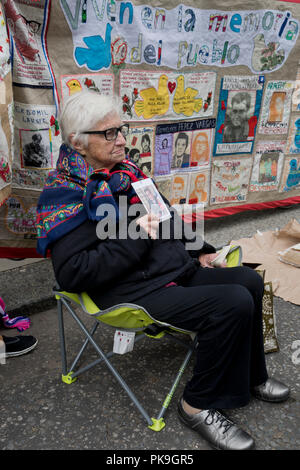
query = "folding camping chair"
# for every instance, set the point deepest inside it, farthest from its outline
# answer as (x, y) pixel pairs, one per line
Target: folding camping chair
(129, 317)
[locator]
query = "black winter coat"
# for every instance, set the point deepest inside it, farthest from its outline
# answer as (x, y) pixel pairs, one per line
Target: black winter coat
(118, 270)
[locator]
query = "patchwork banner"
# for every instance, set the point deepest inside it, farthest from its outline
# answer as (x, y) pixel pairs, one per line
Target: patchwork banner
(211, 94)
(124, 33)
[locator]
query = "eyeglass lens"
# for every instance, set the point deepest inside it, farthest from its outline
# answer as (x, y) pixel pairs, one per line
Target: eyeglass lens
(112, 134)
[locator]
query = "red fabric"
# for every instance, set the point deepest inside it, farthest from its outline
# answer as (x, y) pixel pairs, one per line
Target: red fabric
(223, 211)
(18, 252)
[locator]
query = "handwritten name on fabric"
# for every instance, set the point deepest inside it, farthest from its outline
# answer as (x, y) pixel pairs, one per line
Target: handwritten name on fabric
(109, 32)
(229, 180)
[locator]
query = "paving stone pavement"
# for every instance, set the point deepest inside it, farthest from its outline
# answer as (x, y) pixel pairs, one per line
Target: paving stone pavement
(40, 412)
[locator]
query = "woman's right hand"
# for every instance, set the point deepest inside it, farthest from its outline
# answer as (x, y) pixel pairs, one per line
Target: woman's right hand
(149, 223)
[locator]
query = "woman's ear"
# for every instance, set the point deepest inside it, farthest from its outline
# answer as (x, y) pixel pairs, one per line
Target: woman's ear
(77, 144)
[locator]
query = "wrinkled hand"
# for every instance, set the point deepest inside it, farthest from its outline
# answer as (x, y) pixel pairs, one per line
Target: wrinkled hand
(206, 259)
(149, 223)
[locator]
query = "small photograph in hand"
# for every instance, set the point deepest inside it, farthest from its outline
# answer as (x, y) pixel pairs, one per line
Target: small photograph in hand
(151, 199)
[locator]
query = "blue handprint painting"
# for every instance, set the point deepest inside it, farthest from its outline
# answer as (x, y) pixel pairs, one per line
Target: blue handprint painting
(293, 178)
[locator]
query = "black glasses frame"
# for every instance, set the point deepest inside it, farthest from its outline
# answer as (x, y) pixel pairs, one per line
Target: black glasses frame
(116, 129)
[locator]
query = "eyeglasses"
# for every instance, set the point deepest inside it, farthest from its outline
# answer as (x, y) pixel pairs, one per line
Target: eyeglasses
(112, 133)
(239, 111)
(34, 26)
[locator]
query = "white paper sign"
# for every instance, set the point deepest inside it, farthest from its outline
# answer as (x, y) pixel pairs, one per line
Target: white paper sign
(151, 199)
(123, 341)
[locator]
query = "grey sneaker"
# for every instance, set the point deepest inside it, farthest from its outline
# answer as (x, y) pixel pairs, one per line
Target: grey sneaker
(218, 430)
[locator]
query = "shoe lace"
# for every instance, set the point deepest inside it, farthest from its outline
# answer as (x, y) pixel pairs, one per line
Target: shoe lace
(213, 416)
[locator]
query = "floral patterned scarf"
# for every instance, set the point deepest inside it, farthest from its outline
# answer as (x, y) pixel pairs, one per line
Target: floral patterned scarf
(73, 192)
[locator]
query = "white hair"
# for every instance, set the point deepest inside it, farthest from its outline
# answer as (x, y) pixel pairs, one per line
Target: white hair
(82, 111)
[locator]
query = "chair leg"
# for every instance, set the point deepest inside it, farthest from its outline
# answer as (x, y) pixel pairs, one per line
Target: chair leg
(99, 360)
(155, 424)
(86, 342)
(158, 423)
(62, 337)
(109, 365)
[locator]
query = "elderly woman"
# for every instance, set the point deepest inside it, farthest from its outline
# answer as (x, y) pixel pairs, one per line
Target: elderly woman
(177, 286)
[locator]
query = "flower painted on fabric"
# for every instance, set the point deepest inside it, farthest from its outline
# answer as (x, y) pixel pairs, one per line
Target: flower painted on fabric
(88, 82)
(91, 85)
(54, 122)
(207, 101)
(127, 103)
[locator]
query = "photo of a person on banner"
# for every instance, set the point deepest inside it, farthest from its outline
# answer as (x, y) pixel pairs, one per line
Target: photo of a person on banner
(236, 119)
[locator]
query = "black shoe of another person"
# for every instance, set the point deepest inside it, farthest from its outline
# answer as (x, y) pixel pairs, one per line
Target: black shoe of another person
(272, 390)
(218, 430)
(18, 345)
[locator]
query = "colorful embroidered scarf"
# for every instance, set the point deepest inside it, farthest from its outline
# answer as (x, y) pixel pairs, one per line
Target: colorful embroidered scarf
(73, 192)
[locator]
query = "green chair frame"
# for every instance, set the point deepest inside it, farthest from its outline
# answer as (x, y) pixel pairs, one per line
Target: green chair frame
(129, 317)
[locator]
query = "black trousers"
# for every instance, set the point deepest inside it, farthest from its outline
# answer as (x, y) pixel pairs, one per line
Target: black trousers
(224, 307)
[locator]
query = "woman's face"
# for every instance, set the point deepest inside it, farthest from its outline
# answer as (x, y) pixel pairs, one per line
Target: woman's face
(181, 145)
(145, 146)
(146, 170)
(279, 104)
(136, 157)
(200, 182)
(101, 153)
(201, 145)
